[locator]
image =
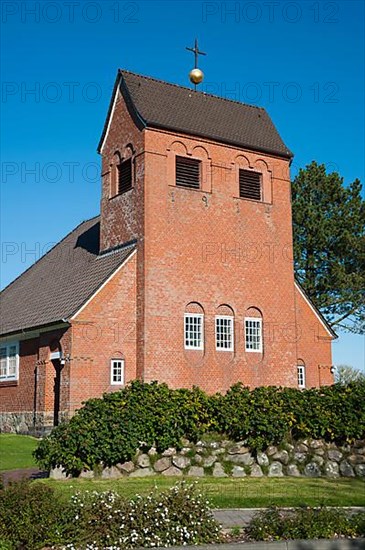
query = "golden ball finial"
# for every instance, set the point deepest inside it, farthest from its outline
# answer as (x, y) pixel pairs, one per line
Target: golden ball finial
(196, 76)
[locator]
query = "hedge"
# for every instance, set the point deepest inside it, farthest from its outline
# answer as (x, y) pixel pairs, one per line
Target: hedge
(110, 429)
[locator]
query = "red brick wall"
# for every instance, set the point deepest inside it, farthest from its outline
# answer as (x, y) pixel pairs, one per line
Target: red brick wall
(314, 345)
(36, 374)
(123, 216)
(103, 330)
(211, 247)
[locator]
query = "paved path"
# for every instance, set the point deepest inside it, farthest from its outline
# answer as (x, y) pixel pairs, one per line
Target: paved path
(25, 473)
(344, 544)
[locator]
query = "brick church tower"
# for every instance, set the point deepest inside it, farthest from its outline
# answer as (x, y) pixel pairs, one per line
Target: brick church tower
(202, 185)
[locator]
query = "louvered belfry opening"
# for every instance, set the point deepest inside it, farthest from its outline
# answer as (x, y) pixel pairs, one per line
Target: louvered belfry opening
(187, 172)
(125, 176)
(250, 185)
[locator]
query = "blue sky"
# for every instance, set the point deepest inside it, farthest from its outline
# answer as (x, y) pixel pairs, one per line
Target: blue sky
(303, 61)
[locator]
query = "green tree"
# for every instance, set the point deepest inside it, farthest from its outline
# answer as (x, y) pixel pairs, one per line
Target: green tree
(329, 244)
(344, 374)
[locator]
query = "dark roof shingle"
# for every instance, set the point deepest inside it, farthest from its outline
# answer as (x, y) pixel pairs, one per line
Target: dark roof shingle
(159, 104)
(60, 282)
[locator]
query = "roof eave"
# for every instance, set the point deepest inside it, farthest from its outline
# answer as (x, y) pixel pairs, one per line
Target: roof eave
(45, 327)
(320, 315)
(288, 156)
(136, 116)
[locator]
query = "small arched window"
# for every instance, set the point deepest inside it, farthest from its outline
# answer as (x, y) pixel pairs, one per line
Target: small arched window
(114, 173)
(253, 330)
(224, 328)
(121, 172)
(301, 374)
(194, 326)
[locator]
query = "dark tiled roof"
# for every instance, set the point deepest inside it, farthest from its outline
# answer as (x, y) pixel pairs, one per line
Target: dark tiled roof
(58, 284)
(158, 104)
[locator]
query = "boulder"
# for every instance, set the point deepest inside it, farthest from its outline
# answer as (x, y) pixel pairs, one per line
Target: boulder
(318, 460)
(246, 459)
(316, 444)
(293, 471)
(320, 451)
(162, 464)
(196, 471)
(360, 470)
(218, 470)
(58, 473)
(143, 461)
(111, 473)
(238, 448)
(334, 455)
(126, 467)
(238, 471)
(209, 461)
(87, 474)
(271, 450)
(152, 451)
(356, 459)
(281, 456)
(181, 461)
(346, 469)
(275, 469)
(300, 457)
(198, 459)
(312, 470)
(172, 471)
(185, 450)
(256, 471)
(331, 469)
(262, 459)
(169, 452)
(301, 448)
(142, 472)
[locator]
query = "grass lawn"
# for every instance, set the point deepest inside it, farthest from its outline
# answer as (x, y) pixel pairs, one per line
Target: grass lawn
(16, 451)
(238, 493)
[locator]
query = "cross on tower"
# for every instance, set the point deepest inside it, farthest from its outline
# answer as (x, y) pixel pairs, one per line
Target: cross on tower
(196, 52)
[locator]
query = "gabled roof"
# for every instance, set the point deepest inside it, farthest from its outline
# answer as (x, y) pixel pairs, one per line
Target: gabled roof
(157, 104)
(59, 283)
(315, 310)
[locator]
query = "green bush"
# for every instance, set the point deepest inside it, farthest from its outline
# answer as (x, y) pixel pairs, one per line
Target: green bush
(175, 517)
(110, 429)
(30, 516)
(305, 523)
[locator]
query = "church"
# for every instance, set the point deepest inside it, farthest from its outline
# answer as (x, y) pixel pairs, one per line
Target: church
(186, 277)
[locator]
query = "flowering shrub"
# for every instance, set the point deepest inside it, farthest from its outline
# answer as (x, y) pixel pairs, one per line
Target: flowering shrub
(31, 516)
(305, 523)
(106, 520)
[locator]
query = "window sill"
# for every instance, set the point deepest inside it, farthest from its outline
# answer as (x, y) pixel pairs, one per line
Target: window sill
(252, 200)
(8, 383)
(120, 194)
(190, 189)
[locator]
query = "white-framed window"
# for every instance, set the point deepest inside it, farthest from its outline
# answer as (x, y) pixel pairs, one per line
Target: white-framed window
(9, 361)
(224, 333)
(253, 334)
(301, 376)
(193, 331)
(117, 372)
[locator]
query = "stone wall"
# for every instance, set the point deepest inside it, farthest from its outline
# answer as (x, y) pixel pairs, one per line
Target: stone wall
(309, 458)
(28, 423)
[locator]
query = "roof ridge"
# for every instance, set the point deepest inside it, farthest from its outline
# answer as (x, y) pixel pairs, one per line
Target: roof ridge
(48, 252)
(205, 94)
